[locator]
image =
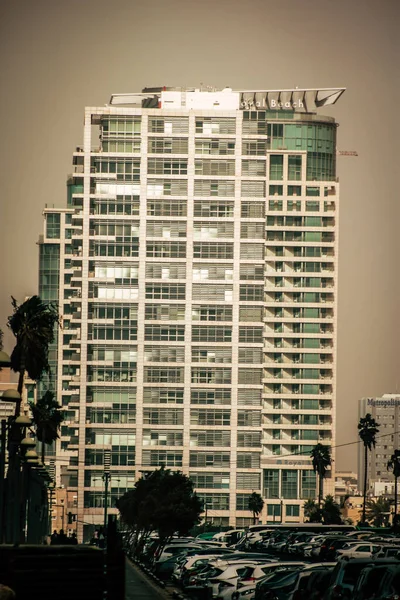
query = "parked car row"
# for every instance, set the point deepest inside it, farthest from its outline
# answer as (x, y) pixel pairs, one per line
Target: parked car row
(280, 565)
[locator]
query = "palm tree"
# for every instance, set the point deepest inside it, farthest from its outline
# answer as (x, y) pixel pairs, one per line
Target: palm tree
(32, 324)
(47, 417)
(368, 428)
(377, 511)
(255, 504)
(311, 511)
(394, 465)
(321, 460)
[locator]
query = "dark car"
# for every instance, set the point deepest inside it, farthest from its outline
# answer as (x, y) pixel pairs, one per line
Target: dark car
(264, 585)
(390, 584)
(346, 573)
(369, 582)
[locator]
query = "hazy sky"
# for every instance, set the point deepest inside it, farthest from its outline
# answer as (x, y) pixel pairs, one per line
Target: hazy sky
(58, 56)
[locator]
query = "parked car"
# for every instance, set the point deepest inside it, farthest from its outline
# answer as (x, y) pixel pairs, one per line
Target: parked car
(358, 550)
(369, 581)
(346, 573)
(389, 588)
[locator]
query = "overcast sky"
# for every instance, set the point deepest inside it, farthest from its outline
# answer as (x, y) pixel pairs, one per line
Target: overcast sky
(58, 56)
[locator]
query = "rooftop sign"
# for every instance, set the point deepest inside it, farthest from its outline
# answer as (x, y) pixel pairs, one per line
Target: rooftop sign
(302, 100)
(297, 99)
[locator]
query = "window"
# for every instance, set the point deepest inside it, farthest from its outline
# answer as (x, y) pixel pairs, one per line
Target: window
(254, 147)
(213, 375)
(250, 313)
(166, 187)
(209, 231)
(208, 333)
(214, 187)
(210, 396)
(164, 312)
(165, 270)
(289, 483)
(248, 481)
(213, 208)
(211, 355)
(153, 395)
(254, 168)
(164, 354)
(209, 459)
(172, 291)
(163, 375)
(252, 231)
(308, 484)
(157, 458)
(292, 510)
(251, 335)
(215, 125)
(166, 229)
(203, 272)
(216, 250)
(214, 167)
(53, 226)
(249, 397)
(249, 439)
(276, 167)
(252, 210)
(166, 249)
(215, 501)
(164, 166)
(251, 251)
(214, 146)
(250, 355)
(249, 376)
(204, 312)
(248, 460)
(251, 293)
(242, 501)
(162, 438)
(160, 145)
(249, 418)
(202, 416)
(253, 189)
(168, 125)
(212, 292)
(163, 416)
(274, 510)
(294, 167)
(271, 483)
(210, 438)
(210, 480)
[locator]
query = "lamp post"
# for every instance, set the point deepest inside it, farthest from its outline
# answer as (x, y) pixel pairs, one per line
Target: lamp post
(106, 477)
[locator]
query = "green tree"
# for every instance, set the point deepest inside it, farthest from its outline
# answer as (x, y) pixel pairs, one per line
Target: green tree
(368, 429)
(33, 324)
(312, 512)
(394, 466)
(330, 511)
(164, 502)
(377, 511)
(255, 504)
(321, 460)
(47, 417)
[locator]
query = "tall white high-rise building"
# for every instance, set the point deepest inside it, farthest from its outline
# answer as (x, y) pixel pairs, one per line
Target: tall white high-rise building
(195, 268)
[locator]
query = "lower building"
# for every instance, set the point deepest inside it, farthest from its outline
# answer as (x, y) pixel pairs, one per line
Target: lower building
(386, 411)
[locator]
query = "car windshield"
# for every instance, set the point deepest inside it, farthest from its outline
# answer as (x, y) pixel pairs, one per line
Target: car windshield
(352, 572)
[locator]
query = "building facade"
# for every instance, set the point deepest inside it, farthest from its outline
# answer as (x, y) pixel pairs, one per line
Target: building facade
(386, 411)
(196, 271)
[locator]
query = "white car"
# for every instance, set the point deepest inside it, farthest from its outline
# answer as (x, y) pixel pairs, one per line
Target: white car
(249, 577)
(361, 550)
(226, 582)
